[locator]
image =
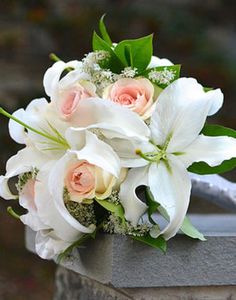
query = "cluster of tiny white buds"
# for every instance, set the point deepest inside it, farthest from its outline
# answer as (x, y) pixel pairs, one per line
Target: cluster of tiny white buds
(96, 57)
(129, 72)
(162, 77)
(101, 55)
(114, 197)
(102, 78)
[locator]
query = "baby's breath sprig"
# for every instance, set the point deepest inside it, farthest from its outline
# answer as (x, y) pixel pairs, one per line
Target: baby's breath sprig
(129, 72)
(84, 213)
(115, 225)
(162, 77)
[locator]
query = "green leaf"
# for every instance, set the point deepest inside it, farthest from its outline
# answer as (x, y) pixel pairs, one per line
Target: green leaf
(152, 205)
(113, 63)
(159, 242)
(218, 130)
(135, 53)
(104, 32)
(175, 70)
(203, 168)
(207, 89)
(188, 229)
(116, 209)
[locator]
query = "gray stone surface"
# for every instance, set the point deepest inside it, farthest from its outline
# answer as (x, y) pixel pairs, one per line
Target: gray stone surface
(72, 286)
(215, 189)
(124, 263)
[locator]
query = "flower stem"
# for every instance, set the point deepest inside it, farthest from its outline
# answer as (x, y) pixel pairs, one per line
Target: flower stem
(13, 213)
(54, 57)
(48, 136)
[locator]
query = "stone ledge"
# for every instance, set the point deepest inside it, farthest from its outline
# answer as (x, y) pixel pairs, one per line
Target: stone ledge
(124, 263)
(70, 285)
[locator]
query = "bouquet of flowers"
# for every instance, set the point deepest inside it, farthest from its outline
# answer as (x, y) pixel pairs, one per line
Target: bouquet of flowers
(113, 147)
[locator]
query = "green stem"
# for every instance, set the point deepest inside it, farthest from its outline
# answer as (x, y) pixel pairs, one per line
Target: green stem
(13, 213)
(48, 136)
(54, 57)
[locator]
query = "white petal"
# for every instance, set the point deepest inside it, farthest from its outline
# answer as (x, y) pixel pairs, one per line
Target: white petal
(5, 192)
(42, 116)
(24, 161)
(33, 221)
(133, 206)
(211, 149)
(100, 112)
(159, 62)
(181, 112)
(17, 131)
(26, 200)
(217, 101)
(64, 224)
(48, 245)
(126, 150)
(71, 78)
(172, 190)
(53, 74)
(98, 153)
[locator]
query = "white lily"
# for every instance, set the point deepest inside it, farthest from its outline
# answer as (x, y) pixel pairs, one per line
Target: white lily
(53, 74)
(62, 229)
(26, 160)
(179, 117)
(45, 129)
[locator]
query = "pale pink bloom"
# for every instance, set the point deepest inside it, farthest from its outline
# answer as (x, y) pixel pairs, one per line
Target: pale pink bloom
(135, 94)
(67, 100)
(80, 179)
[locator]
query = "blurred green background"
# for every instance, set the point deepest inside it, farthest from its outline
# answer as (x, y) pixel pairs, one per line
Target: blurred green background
(200, 35)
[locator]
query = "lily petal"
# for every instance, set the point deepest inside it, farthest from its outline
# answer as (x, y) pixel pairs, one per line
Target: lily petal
(16, 131)
(48, 245)
(212, 150)
(133, 206)
(24, 161)
(171, 188)
(53, 74)
(65, 226)
(182, 107)
(95, 151)
(126, 150)
(103, 113)
(159, 62)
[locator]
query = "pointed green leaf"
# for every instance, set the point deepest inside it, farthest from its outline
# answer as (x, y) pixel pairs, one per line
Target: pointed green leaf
(159, 242)
(188, 229)
(152, 205)
(203, 168)
(139, 52)
(103, 30)
(113, 63)
(117, 209)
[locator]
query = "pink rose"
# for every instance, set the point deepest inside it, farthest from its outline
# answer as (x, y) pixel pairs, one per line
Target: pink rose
(80, 179)
(67, 100)
(86, 181)
(135, 94)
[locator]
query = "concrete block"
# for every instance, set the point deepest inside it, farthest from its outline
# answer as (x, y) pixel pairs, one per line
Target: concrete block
(124, 263)
(72, 286)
